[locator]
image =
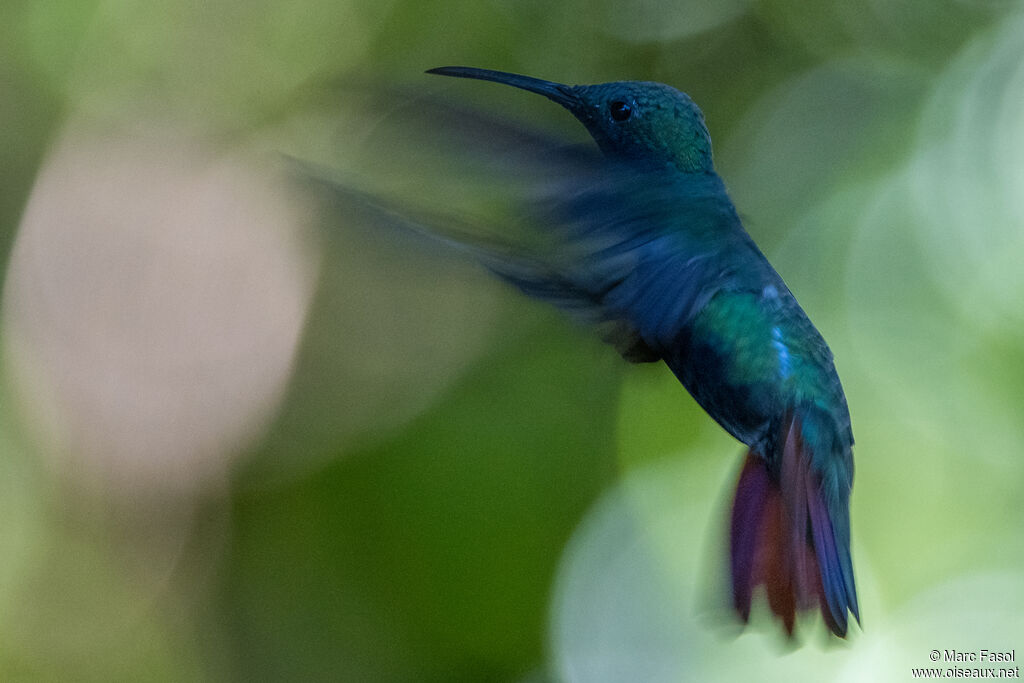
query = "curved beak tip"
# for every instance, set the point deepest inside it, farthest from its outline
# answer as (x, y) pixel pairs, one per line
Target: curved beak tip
(562, 94)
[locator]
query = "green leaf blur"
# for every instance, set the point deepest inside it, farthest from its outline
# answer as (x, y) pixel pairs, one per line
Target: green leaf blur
(245, 435)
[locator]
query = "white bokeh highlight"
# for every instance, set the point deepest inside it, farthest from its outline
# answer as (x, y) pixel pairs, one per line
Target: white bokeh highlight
(968, 182)
(154, 302)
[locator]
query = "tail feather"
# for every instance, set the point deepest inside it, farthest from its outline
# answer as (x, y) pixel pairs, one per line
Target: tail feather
(749, 514)
(784, 538)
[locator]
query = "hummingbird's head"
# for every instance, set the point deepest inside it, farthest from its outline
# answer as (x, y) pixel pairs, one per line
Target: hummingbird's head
(637, 120)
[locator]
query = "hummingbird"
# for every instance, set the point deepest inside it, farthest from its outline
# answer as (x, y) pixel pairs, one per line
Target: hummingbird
(648, 247)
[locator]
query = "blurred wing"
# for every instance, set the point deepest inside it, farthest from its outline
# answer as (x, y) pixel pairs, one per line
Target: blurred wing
(541, 274)
(654, 244)
(620, 246)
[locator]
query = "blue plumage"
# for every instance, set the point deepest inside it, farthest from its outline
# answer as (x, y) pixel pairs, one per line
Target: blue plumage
(648, 244)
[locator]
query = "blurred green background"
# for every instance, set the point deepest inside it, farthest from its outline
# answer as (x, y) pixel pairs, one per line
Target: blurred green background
(240, 442)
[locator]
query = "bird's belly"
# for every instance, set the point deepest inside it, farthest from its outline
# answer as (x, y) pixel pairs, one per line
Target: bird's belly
(733, 360)
(744, 408)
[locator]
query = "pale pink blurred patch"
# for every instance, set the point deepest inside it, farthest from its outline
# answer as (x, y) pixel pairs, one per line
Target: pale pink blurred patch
(155, 299)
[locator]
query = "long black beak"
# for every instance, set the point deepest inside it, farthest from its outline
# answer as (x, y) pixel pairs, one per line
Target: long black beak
(562, 94)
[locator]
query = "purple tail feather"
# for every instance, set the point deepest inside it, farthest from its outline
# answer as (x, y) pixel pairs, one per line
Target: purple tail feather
(782, 537)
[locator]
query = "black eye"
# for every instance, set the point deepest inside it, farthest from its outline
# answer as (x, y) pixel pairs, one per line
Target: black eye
(620, 110)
